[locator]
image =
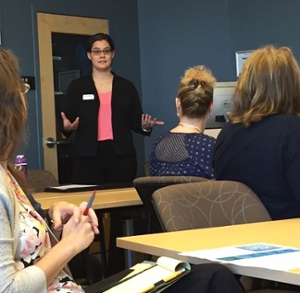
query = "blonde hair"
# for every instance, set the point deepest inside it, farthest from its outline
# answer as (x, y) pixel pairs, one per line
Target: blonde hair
(13, 109)
(269, 84)
(195, 91)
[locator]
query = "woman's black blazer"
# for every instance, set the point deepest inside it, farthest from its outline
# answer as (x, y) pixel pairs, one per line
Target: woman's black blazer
(81, 100)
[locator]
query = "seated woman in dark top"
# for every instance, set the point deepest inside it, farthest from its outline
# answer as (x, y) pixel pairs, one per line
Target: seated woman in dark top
(185, 150)
(260, 146)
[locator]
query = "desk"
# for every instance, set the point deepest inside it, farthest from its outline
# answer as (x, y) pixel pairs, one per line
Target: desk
(283, 232)
(105, 200)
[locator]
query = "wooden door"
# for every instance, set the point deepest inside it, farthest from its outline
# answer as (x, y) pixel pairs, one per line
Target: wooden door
(47, 25)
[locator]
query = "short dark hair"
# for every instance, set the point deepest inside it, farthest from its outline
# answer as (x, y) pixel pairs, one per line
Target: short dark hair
(99, 37)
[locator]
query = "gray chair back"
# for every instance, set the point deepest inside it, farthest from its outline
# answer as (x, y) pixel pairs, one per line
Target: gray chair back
(38, 180)
(145, 186)
(207, 204)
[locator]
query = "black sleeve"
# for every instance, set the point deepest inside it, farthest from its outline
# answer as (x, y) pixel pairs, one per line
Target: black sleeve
(69, 105)
(136, 113)
(69, 102)
(291, 159)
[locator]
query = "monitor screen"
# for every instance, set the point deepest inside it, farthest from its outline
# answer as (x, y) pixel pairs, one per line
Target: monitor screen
(223, 93)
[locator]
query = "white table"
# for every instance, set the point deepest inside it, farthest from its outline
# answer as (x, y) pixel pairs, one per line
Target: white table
(283, 232)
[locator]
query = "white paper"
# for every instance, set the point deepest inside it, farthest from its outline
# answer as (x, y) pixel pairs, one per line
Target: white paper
(140, 282)
(172, 264)
(65, 187)
(138, 268)
(263, 255)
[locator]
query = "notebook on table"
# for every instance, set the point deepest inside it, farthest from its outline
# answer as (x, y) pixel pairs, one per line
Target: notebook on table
(145, 277)
(86, 187)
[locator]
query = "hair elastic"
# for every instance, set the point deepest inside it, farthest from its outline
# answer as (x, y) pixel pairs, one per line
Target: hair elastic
(196, 83)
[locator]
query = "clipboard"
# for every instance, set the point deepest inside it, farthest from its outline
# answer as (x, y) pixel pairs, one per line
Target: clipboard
(109, 282)
(150, 277)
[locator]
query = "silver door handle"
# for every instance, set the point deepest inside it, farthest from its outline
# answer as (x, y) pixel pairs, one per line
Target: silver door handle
(51, 142)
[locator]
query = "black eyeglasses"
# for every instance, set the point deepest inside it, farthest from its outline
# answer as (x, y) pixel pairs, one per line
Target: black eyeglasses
(105, 51)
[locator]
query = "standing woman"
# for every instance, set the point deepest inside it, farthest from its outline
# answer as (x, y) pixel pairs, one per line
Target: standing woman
(104, 108)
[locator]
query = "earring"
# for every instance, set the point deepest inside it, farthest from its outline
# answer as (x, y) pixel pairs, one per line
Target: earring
(178, 114)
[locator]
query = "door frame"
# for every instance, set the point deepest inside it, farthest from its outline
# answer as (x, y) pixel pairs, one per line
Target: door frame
(47, 24)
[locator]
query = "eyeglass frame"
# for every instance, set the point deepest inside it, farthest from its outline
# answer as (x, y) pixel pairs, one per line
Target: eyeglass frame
(105, 51)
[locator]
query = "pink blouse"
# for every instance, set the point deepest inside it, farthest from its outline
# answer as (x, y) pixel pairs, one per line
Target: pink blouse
(105, 130)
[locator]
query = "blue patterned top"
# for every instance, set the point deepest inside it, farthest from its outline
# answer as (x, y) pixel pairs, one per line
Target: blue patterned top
(183, 154)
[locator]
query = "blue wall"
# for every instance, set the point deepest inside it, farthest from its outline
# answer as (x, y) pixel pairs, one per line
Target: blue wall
(176, 34)
(261, 22)
(19, 33)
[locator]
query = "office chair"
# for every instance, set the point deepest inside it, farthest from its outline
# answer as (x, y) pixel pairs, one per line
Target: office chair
(207, 204)
(145, 186)
(38, 180)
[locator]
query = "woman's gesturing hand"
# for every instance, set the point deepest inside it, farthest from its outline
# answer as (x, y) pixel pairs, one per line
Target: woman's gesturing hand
(68, 126)
(147, 122)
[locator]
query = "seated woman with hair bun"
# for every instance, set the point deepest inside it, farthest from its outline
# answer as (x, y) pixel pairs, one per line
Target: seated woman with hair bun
(185, 150)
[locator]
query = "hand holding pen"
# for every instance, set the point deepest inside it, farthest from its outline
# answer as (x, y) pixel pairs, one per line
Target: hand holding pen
(78, 235)
(62, 211)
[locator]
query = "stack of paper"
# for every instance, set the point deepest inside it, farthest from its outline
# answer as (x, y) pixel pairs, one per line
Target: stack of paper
(263, 255)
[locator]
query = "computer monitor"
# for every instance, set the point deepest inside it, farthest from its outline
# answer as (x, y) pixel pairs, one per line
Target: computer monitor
(223, 93)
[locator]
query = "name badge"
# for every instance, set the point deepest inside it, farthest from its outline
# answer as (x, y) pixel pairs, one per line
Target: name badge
(88, 97)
